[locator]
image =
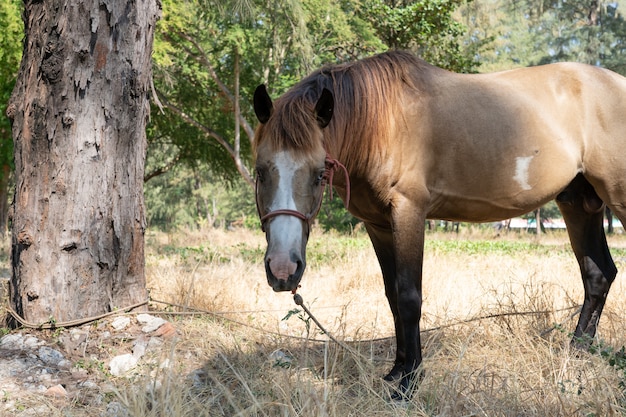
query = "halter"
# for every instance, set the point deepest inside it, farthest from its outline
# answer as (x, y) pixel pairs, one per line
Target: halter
(331, 165)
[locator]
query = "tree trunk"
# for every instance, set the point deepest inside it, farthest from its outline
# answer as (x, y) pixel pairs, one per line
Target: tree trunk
(538, 221)
(79, 111)
(5, 176)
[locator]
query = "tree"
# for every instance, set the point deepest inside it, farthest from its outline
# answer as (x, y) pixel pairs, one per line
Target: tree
(426, 27)
(532, 32)
(79, 111)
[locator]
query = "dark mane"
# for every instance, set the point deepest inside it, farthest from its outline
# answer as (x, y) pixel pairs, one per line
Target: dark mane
(364, 116)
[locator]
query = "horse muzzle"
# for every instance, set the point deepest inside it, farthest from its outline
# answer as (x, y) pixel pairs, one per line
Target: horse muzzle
(284, 272)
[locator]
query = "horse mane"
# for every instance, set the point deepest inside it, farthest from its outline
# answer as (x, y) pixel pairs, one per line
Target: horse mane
(368, 96)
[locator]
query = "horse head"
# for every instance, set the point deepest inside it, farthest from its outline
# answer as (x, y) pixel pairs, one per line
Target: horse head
(291, 173)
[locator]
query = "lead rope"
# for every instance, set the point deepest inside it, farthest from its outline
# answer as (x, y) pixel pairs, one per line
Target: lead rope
(297, 298)
(333, 165)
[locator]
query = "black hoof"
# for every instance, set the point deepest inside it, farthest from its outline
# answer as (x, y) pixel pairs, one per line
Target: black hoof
(399, 398)
(407, 387)
(395, 374)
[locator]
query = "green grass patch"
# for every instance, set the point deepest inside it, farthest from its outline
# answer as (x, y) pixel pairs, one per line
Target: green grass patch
(497, 247)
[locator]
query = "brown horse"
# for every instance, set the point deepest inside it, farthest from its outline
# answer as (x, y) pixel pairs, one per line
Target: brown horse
(419, 142)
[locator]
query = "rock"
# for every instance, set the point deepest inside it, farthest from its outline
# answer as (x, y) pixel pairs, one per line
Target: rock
(154, 343)
(51, 357)
(31, 342)
(41, 410)
(165, 364)
(121, 364)
(198, 378)
(139, 349)
(72, 340)
(166, 331)
(12, 342)
(115, 409)
(120, 323)
(150, 323)
(57, 391)
(89, 385)
(280, 358)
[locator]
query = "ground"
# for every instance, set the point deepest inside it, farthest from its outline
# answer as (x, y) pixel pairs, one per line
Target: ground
(44, 371)
(497, 317)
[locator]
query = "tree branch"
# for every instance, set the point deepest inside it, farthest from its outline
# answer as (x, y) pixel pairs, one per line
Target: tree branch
(161, 170)
(203, 59)
(241, 168)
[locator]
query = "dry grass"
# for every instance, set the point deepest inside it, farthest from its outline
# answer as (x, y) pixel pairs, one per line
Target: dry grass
(245, 360)
(509, 365)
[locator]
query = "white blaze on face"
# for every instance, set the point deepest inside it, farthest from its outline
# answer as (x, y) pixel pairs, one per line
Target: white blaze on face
(522, 165)
(286, 230)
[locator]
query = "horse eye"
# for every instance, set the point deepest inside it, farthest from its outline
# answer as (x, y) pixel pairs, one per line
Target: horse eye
(320, 178)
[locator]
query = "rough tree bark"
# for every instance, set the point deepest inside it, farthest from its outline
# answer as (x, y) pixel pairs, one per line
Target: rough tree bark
(79, 111)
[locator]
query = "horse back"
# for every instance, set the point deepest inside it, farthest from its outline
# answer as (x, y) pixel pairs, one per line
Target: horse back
(492, 146)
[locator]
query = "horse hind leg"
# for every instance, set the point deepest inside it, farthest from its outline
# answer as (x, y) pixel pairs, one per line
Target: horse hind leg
(583, 213)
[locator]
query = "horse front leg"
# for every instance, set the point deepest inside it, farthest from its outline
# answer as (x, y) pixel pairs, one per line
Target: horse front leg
(408, 224)
(382, 240)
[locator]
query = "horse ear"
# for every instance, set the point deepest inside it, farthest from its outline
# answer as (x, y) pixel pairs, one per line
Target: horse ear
(324, 108)
(262, 104)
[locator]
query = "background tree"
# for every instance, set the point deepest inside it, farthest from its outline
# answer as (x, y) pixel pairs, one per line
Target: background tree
(533, 32)
(10, 54)
(425, 27)
(79, 110)
(210, 56)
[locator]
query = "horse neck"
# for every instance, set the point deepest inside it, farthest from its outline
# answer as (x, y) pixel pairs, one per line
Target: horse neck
(357, 154)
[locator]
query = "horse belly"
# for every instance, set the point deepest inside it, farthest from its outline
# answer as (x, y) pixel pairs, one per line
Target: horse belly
(505, 191)
(479, 210)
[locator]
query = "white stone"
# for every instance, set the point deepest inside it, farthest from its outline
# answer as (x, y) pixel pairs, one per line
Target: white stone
(31, 342)
(139, 349)
(121, 364)
(12, 342)
(120, 323)
(151, 323)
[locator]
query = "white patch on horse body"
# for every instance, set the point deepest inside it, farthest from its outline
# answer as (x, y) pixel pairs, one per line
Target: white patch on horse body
(522, 164)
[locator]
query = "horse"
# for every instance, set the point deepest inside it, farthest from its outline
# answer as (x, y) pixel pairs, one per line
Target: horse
(418, 142)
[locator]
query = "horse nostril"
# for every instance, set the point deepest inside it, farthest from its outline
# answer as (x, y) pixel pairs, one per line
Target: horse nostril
(281, 267)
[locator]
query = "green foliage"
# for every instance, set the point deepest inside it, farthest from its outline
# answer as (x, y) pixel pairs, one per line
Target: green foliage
(426, 27)
(533, 32)
(190, 197)
(333, 215)
(302, 316)
(615, 358)
(10, 55)
(570, 33)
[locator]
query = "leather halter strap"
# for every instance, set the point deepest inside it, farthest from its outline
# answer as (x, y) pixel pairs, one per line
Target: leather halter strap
(331, 165)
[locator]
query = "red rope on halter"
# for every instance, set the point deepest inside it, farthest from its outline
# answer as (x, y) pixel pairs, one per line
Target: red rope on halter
(332, 165)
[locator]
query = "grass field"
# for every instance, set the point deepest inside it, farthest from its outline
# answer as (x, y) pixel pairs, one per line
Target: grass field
(514, 361)
(497, 317)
